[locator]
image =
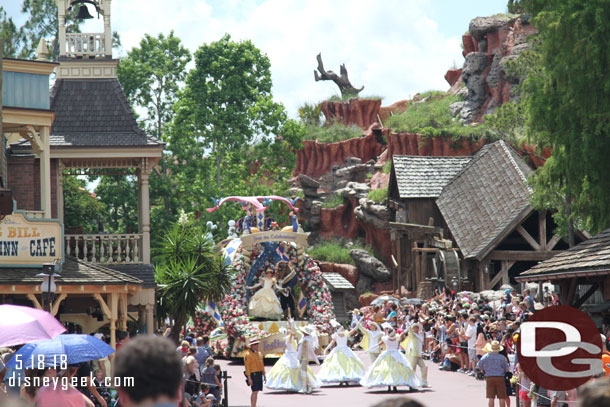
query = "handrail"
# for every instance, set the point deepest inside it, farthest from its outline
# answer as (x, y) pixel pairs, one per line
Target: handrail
(85, 44)
(124, 248)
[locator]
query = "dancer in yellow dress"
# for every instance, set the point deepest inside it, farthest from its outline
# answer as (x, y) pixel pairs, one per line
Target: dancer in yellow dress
(341, 365)
(286, 373)
(391, 367)
(264, 304)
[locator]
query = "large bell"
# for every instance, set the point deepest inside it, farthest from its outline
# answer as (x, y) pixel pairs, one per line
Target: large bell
(83, 13)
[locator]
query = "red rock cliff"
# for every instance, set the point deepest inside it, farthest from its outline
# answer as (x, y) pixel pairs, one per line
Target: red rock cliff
(361, 112)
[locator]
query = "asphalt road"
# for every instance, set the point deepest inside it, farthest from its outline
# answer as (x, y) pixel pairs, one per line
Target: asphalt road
(448, 389)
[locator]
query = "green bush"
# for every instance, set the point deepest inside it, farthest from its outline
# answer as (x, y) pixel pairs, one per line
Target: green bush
(310, 114)
(378, 195)
(336, 251)
(333, 201)
(387, 166)
(332, 133)
(430, 109)
(340, 98)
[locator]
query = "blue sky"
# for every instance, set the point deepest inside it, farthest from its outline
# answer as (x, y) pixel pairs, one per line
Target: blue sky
(395, 48)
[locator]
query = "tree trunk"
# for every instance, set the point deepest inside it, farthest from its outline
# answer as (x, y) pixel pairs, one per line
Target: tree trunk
(218, 161)
(179, 323)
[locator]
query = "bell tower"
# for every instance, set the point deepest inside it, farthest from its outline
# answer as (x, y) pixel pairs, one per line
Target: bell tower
(85, 55)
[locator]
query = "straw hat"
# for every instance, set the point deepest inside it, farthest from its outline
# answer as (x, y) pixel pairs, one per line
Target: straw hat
(375, 324)
(386, 325)
(307, 330)
(417, 324)
(254, 341)
(334, 323)
(494, 347)
(356, 311)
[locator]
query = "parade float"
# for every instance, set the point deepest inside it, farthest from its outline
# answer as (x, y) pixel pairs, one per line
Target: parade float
(256, 243)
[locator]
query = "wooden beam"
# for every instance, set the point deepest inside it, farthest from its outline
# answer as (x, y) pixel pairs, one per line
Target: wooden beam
(528, 238)
(542, 229)
(57, 302)
(553, 242)
(103, 305)
(586, 295)
(495, 280)
(522, 255)
(425, 249)
(34, 300)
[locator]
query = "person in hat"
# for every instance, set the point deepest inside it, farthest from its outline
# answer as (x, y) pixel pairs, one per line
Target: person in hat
(255, 370)
(371, 339)
(341, 365)
(413, 347)
(391, 368)
(285, 373)
(306, 353)
(495, 366)
(356, 318)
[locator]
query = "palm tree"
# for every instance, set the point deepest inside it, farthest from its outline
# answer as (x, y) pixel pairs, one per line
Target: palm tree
(189, 270)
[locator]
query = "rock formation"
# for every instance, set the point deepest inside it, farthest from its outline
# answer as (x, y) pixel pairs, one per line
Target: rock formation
(369, 266)
(361, 112)
(490, 44)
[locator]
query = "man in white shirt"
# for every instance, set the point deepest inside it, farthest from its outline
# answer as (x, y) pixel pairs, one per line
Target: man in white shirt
(471, 336)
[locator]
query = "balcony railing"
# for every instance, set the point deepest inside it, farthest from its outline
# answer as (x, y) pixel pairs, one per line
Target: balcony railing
(85, 44)
(35, 214)
(106, 248)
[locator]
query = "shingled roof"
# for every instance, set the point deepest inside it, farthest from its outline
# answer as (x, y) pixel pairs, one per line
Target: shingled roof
(93, 113)
(591, 257)
(144, 272)
(487, 199)
(337, 282)
(425, 177)
(73, 271)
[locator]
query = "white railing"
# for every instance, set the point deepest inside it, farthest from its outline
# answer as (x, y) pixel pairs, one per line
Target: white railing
(35, 214)
(105, 248)
(85, 44)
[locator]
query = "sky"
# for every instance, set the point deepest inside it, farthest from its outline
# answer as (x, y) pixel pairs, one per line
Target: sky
(394, 48)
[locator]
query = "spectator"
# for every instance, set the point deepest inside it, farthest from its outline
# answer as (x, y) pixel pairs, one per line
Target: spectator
(529, 301)
(595, 394)
(210, 376)
(191, 372)
(399, 402)
(495, 367)
(202, 353)
(156, 369)
(606, 358)
(51, 396)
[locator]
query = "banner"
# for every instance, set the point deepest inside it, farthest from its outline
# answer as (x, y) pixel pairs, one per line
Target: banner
(274, 236)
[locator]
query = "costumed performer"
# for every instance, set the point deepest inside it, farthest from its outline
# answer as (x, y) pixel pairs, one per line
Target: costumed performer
(286, 373)
(306, 353)
(264, 304)
(391, 368)
(287, 280)
(371, 339)
(341, 365)
(413, 346)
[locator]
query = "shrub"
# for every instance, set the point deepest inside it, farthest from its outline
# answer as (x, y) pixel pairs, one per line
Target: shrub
(429, 109)
(310, 114)
(387, 166)
(378, 195)
(332, 133)
(336, 251)
(332, 201)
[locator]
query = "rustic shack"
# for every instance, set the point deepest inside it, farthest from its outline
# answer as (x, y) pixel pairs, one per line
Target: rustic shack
(418, 228)
(338, 286)
(487, 210)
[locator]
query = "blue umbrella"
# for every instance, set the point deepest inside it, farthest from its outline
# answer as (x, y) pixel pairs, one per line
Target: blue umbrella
(63, 350)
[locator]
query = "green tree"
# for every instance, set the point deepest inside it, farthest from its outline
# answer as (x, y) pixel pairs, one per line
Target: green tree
(189, 271)
(151, 75)
(569, 105)
(227, 103)
(120, 196)
(81, 209)
(9, 34)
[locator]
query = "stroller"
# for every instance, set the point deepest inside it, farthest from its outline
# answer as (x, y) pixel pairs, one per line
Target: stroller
(436, 355)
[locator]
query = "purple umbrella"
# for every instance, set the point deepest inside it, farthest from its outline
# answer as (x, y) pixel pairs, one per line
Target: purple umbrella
(20, 325)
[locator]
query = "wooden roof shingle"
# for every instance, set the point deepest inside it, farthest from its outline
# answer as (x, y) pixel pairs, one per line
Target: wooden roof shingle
(590, 256)
(487, 199)
(337, 282)
(425, 177)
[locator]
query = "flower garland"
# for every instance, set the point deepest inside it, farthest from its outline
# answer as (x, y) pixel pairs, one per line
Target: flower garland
(234, 306)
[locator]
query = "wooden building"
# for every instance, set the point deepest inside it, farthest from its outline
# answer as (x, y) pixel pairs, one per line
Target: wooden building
(338, 286)
(580, 271)
(418, 229)
(84, 126)
(488, 213)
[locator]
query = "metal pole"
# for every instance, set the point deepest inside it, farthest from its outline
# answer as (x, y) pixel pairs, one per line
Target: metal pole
(225, 376)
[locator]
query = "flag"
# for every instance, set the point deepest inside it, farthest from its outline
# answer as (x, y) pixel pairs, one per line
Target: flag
(214, 313)
(280, 251)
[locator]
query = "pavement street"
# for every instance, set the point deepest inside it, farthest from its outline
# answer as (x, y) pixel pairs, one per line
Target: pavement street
(448, 389)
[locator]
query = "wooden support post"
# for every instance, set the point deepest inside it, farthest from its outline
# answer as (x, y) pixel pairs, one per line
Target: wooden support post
(57, 303)
(34, 300)
(123, 312)
(542, 229)
(114, 299)
(586, 296)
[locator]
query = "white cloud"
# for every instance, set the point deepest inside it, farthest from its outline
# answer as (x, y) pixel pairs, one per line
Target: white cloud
(392, 47)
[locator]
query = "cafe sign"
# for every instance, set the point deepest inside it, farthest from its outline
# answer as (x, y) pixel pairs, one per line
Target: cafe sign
(26, 242)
